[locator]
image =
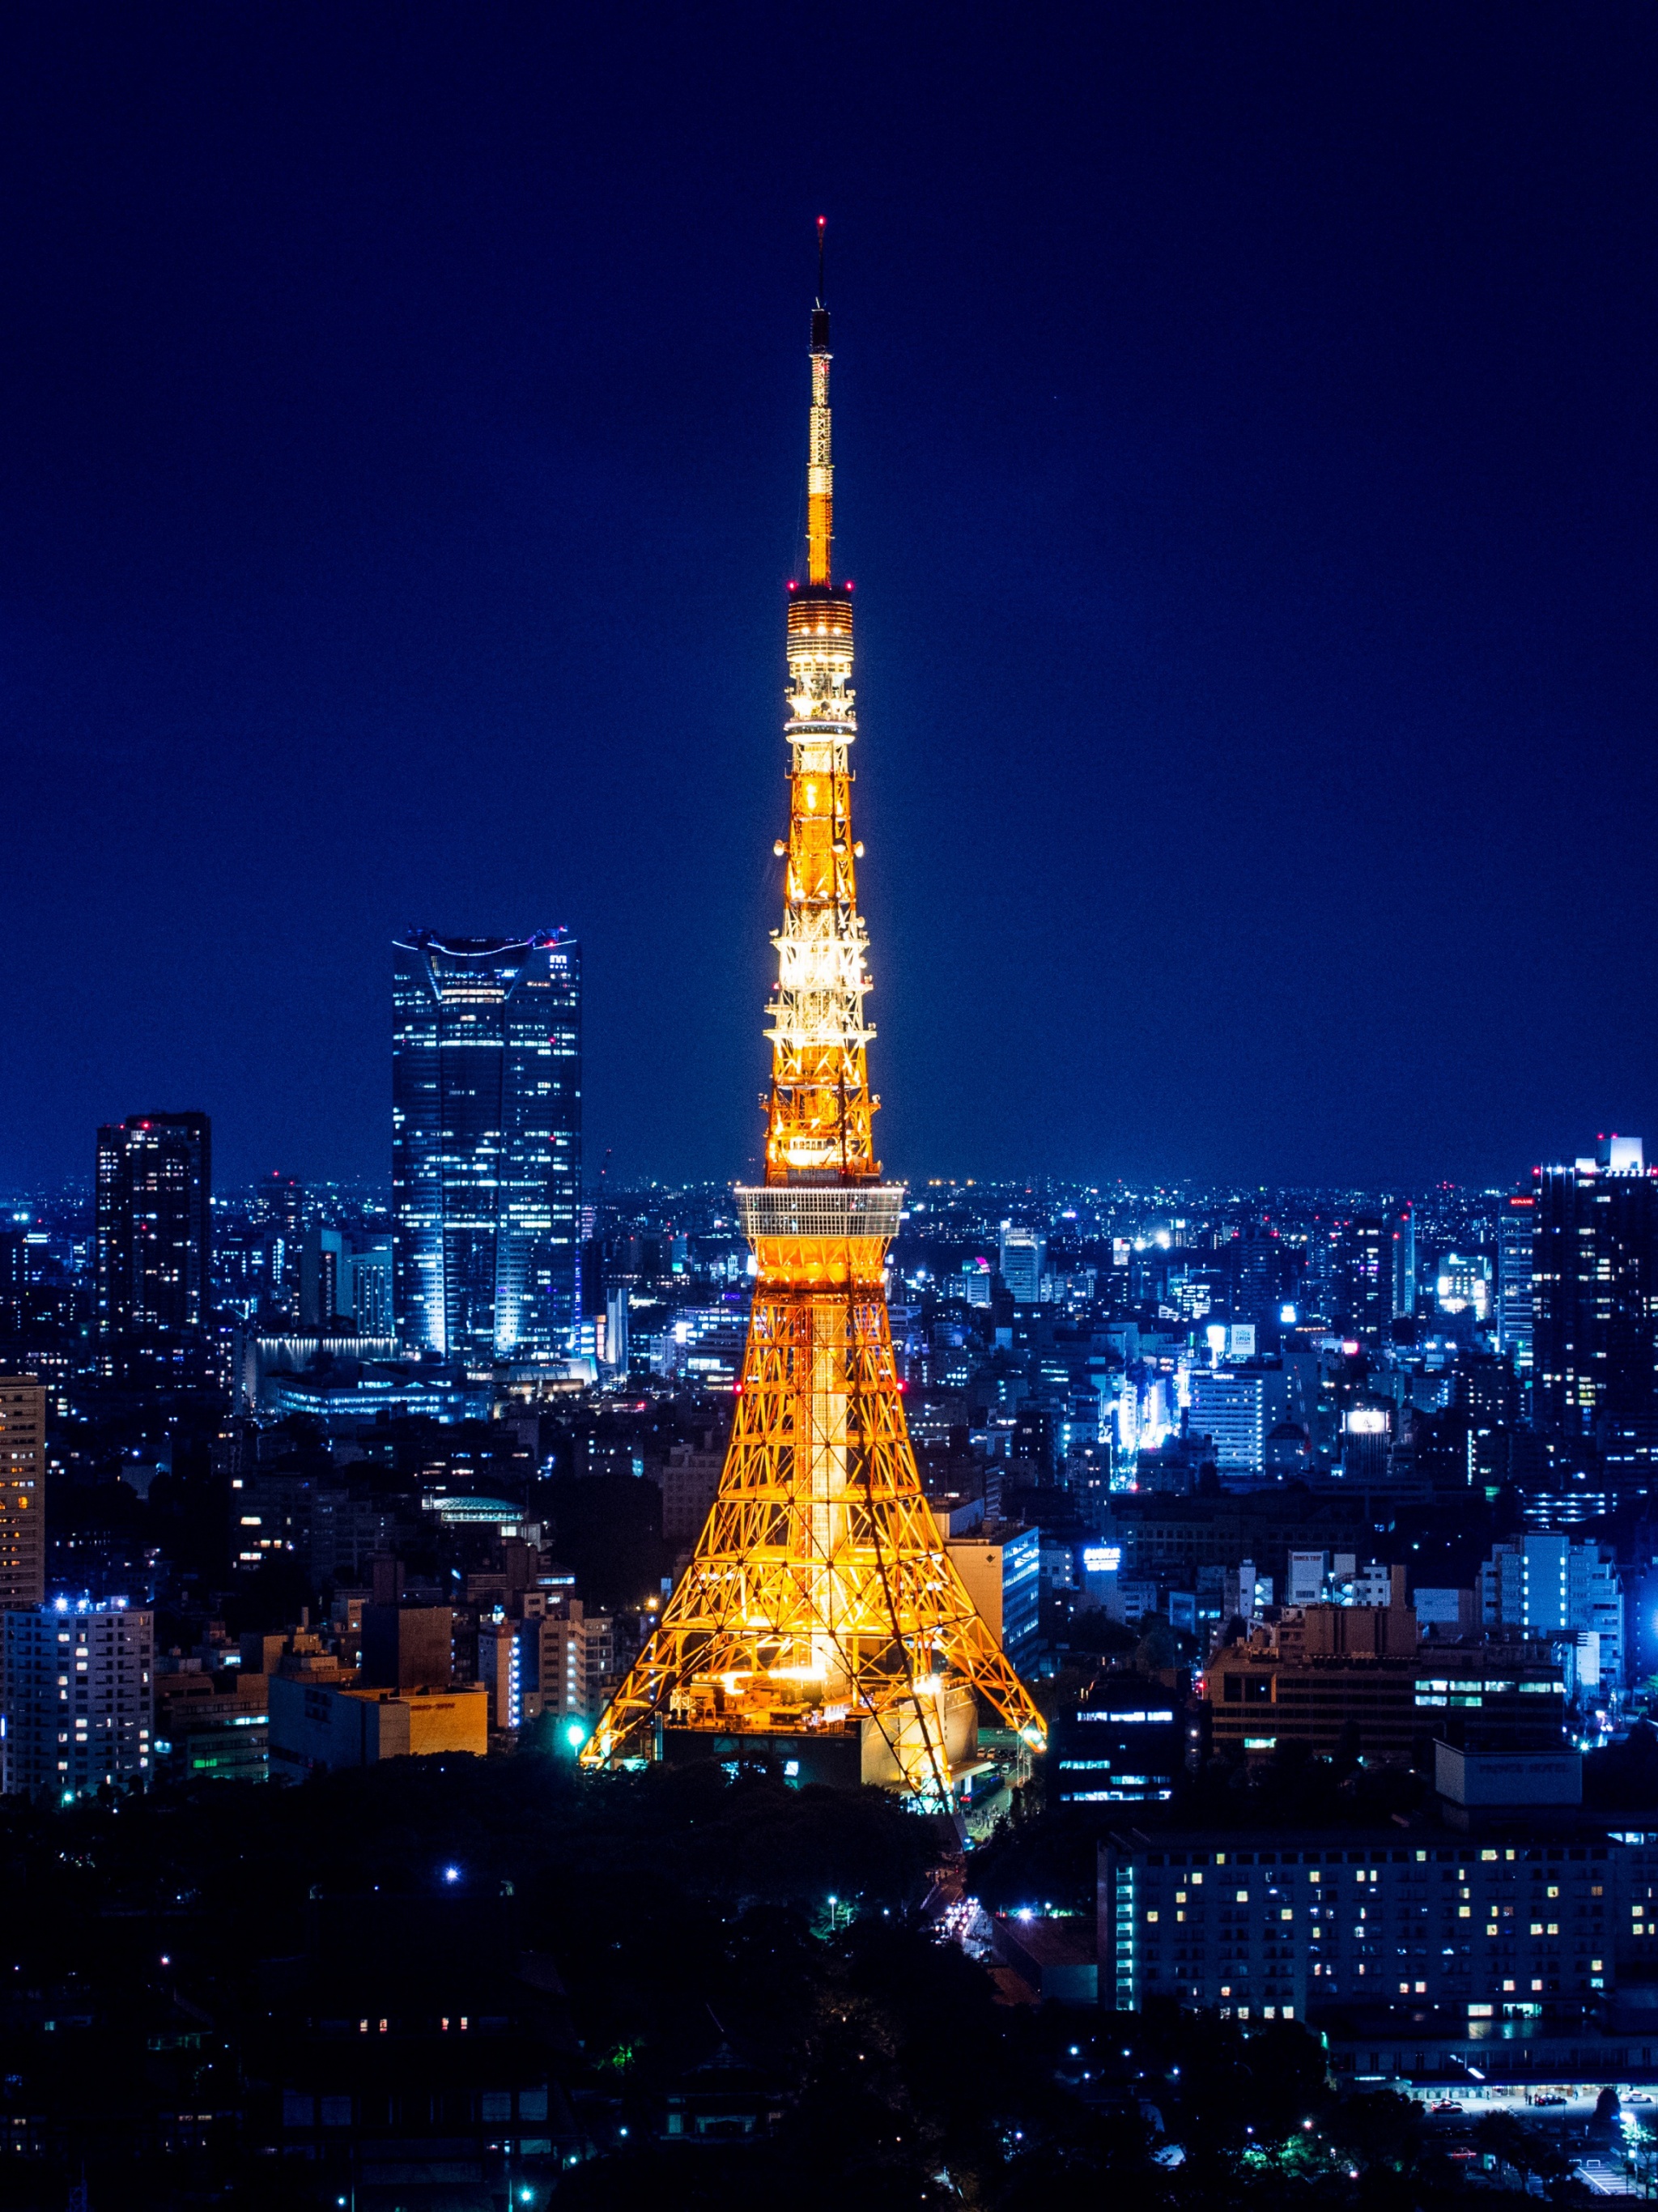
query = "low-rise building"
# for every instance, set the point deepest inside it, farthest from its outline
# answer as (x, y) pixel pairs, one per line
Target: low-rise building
(1494, 1925)
(1123, 1741)
(321, 1725)
(212, 1725)
(1358, 1680)
(414, 2052)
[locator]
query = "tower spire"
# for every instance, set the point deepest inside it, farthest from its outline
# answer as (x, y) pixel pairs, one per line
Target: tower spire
(822, 1615)
(819, 1108)
(820, 469)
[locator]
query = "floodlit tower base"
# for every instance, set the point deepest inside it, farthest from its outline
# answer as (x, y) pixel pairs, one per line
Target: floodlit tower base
(843, 1753)
(821, 1621)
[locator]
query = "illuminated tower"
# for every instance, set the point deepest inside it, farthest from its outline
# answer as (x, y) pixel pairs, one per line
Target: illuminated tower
(821, 1615)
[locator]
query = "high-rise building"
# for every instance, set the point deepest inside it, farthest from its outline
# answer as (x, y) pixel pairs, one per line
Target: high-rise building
(1229, 1408)
(486, 1144)
(1365, 1276)
(22, 1492)
(22, 1512)
(1508, 1931)
(1516, 1222)
(1122, 1742)
(153, 1264)
(282, 1199)
(407, 1647)
(577, 1652)
(1259, 1267)
(79, 1692)
(1594, 1292)
(345, 1283)
(1403, 1228)
(1021, 1253)
(371, 1275)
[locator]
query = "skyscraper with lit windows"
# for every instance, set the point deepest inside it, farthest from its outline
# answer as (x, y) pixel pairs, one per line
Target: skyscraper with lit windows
(154, 1197)
(486, 1144)
(1516, 1227)
(1594, 1304)
(1366, 1276)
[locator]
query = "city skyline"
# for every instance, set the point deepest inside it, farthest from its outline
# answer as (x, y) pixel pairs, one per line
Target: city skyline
(500, 1539)
(1240, 609)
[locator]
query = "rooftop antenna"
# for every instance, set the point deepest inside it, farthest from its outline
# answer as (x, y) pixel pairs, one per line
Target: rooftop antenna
(823, 221)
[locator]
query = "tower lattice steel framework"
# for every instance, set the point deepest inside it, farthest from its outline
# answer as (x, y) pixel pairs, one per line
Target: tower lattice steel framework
(820, 1603)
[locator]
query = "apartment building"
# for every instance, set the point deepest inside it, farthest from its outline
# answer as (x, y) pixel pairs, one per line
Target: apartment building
(1271, 1928)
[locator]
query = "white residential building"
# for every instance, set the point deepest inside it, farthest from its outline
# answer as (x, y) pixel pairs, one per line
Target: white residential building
(79, 1696)
(1229, 1407)
(1552, 1586)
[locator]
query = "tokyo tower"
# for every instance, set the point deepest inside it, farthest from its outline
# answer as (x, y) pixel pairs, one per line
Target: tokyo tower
(821, 1618)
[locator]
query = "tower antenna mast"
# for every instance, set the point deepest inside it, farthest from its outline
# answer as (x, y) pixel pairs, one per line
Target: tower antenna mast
(822, 1620)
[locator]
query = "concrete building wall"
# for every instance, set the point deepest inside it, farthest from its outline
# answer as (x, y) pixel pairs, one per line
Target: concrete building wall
(325, 1726)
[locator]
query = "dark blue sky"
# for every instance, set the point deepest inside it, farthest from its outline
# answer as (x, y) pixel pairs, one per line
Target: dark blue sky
(1245, 431)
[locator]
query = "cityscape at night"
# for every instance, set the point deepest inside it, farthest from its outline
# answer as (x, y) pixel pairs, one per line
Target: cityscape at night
(594, 1613)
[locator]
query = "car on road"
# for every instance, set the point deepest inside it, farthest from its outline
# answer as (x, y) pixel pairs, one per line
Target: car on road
(1447, 2105)
(1550, 2100)
(1637, 2096)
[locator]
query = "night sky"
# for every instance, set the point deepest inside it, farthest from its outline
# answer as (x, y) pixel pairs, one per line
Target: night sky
(1244, 429)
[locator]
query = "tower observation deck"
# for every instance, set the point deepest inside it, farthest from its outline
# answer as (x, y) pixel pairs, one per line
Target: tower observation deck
(821, 1616)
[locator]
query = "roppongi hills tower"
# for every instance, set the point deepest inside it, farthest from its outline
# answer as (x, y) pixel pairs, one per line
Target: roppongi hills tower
(821, 1617)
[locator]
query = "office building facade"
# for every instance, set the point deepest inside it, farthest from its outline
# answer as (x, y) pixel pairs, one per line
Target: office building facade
(1364, 1276)
(1595, 1311)
(1003, 1574)
(1516, 1229)
(1357, 1678)
(153, 1259)
(486, 1150)
(1021, 1253)
(1229, 1408)
(1402, 1229)
(346, 1282)
(1123, 1743)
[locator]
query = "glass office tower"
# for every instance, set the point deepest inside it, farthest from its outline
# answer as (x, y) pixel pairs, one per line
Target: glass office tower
(486, 1144)
(1516, 1225)
(1595, 1302)
(154, 1254)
